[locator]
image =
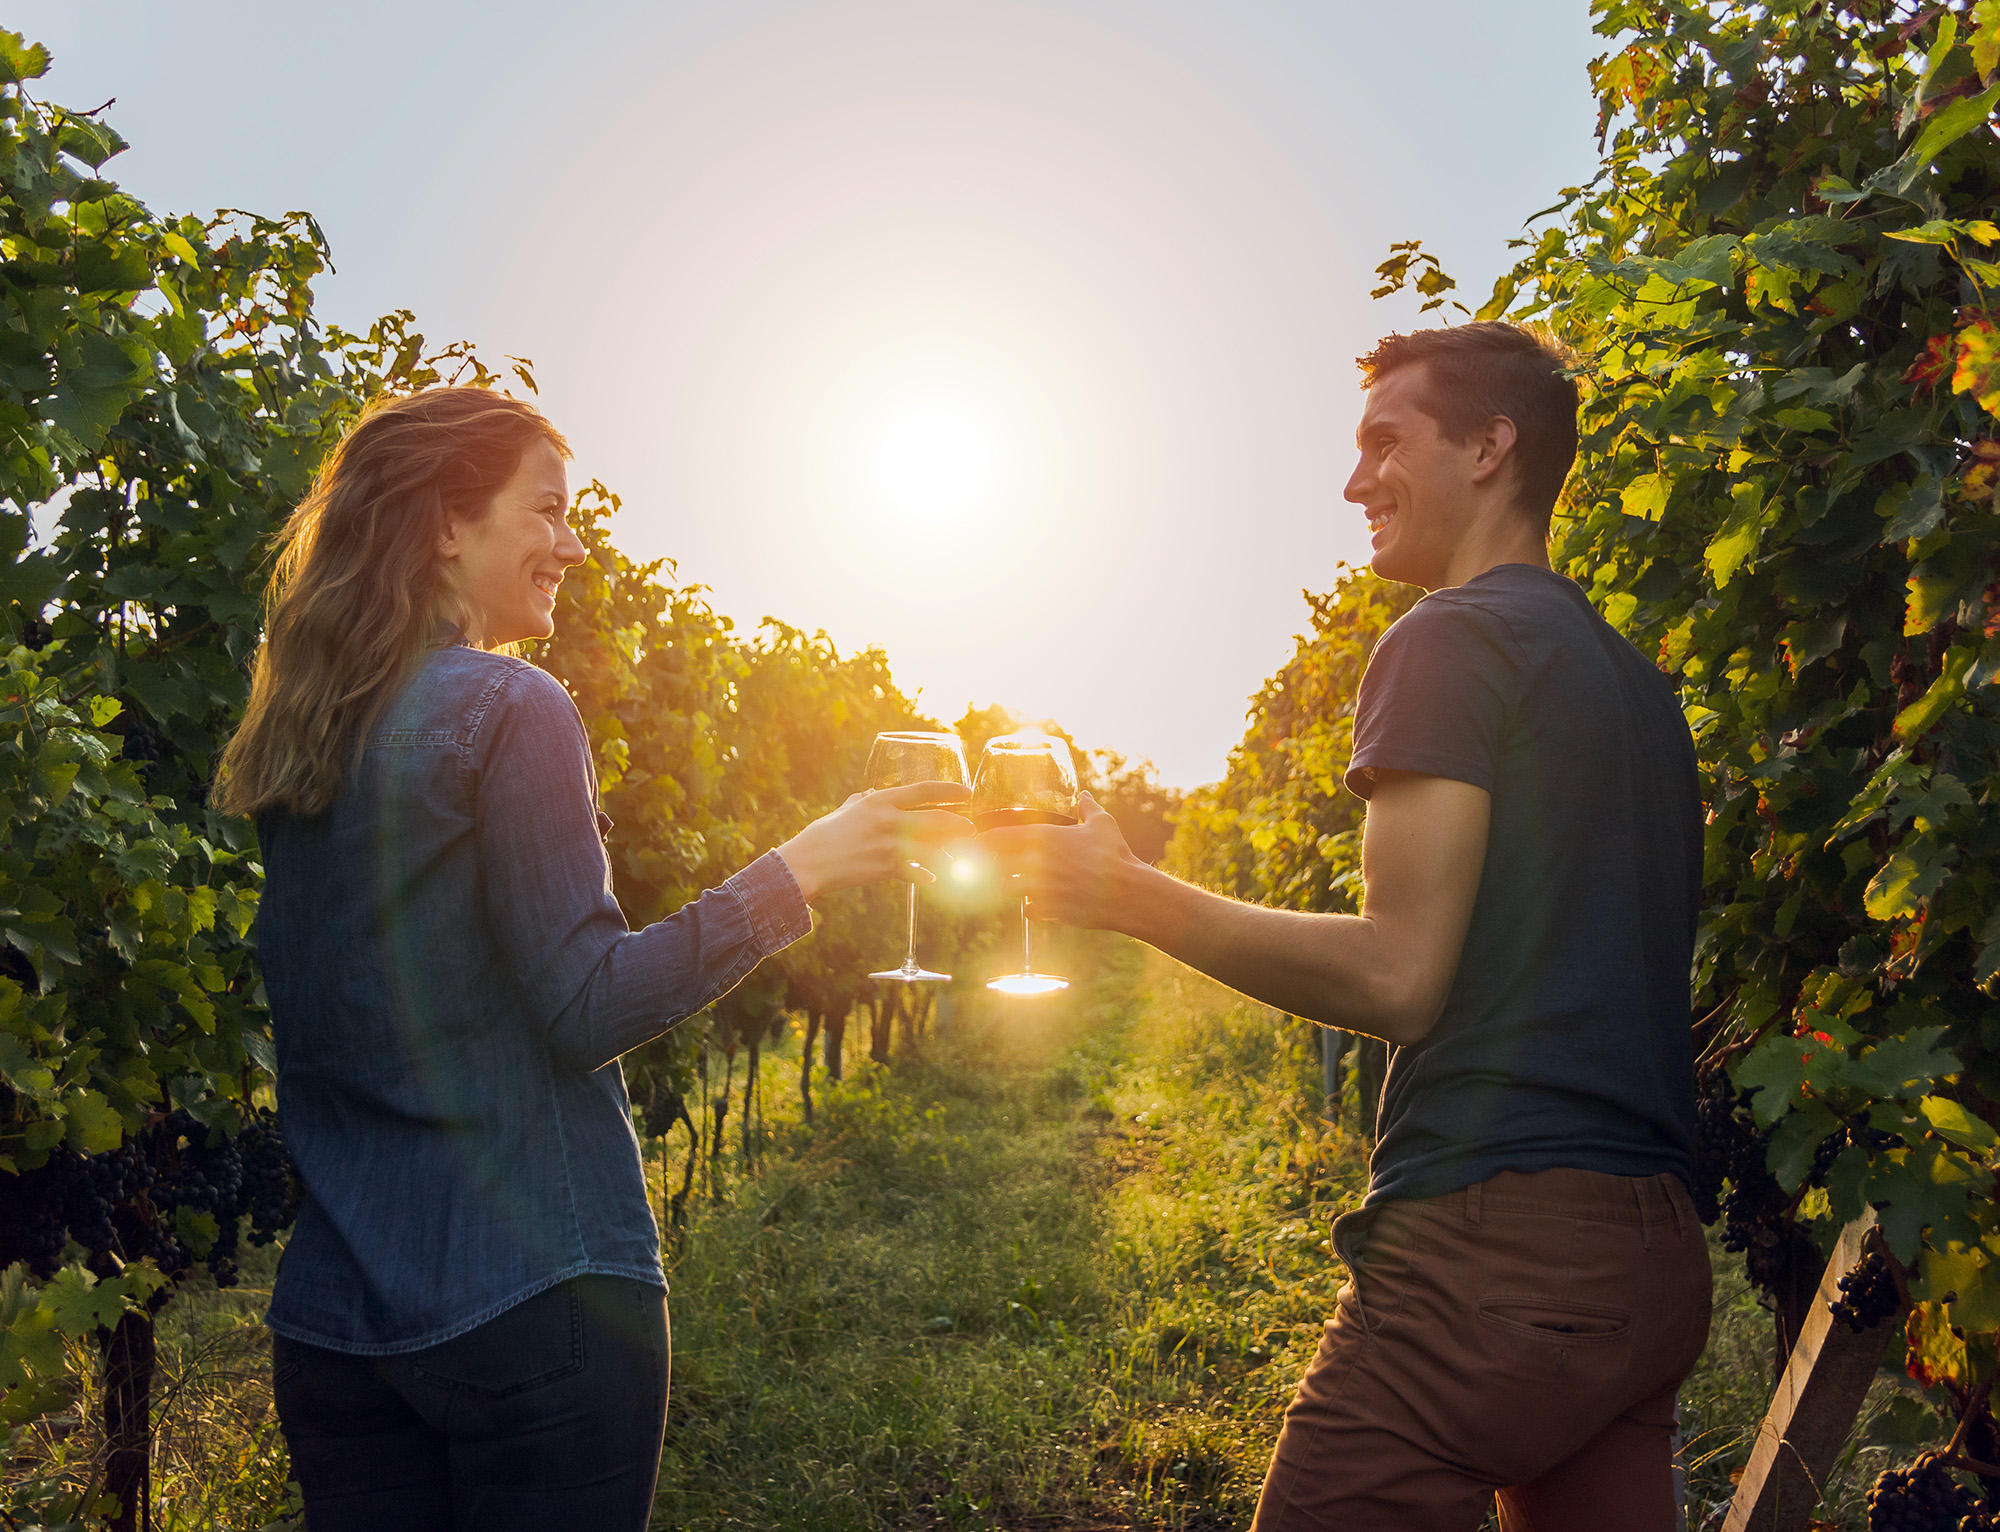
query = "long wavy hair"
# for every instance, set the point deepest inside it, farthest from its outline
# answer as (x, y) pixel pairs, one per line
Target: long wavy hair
(358, 593)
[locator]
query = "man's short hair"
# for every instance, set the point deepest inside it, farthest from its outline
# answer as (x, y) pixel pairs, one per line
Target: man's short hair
(1473, 372)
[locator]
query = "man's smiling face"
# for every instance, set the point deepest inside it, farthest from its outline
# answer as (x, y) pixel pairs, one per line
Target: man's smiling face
(1414, 483)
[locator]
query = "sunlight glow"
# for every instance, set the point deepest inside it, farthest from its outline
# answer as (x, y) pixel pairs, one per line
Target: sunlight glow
(1027, 984)
(935, 457)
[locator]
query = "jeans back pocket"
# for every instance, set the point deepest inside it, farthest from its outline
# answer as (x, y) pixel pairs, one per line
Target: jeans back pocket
(534, 1343)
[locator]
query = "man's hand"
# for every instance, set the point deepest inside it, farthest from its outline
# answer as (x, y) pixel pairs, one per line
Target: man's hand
(1078, 874)
(1385, 972)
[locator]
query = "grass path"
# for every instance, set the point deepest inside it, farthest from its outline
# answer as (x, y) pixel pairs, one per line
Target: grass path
(1062, 1272)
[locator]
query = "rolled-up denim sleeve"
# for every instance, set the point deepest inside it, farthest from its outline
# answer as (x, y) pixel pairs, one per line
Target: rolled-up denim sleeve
(599, 987)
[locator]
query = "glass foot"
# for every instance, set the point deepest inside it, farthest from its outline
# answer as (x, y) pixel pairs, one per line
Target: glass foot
(1028, 983)
(910, 973)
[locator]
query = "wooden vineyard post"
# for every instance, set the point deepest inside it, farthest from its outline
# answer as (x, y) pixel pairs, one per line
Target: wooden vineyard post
(1814, 1408)
(1332, 1046)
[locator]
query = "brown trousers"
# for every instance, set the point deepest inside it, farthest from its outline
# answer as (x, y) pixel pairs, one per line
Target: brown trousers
(1521, 1338)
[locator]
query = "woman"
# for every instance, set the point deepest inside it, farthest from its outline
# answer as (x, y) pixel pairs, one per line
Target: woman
(470, 1323)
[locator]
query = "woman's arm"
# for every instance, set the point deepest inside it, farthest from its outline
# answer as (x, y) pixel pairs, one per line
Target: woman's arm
(600, 987)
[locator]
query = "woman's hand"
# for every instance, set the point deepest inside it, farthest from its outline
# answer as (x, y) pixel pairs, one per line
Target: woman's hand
(876, 835)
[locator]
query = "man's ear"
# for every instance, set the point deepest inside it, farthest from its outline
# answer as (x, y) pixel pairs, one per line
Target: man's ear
(1496, 447)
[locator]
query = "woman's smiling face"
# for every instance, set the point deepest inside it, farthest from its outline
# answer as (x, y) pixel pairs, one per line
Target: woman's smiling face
(504, 568)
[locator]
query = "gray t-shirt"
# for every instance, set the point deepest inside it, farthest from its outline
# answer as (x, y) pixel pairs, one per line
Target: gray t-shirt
(1565, 1040)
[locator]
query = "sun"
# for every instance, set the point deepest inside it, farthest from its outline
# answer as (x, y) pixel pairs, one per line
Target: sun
(935, 457)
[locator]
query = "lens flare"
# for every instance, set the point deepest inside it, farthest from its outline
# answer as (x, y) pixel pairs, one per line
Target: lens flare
(1027, 984)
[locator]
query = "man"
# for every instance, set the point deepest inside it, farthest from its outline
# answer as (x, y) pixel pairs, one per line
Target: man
(1528, 1283)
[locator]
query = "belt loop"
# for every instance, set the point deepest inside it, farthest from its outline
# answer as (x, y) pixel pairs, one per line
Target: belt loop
(1472, 1204)
(1645, 1227)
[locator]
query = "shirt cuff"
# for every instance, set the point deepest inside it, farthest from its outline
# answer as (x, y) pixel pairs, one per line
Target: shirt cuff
(770, 899)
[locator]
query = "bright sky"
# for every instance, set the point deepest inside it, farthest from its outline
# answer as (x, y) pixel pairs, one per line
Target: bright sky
(1014, 337)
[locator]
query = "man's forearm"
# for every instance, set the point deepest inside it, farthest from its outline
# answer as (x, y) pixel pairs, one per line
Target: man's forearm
(1331, 969)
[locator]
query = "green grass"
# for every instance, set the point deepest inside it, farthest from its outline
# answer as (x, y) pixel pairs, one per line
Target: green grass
(218, 1458)
(1064, 1271)
(1061, 1269)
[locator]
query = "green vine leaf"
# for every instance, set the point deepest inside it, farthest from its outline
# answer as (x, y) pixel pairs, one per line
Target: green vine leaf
(1953, 1122)
(1906, 880)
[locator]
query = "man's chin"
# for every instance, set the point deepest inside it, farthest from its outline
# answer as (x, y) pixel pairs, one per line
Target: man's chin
(1384, 565)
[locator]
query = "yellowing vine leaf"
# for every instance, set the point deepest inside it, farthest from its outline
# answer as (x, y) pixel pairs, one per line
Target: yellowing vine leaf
(1738, 537)
(1903, 883)
(1986, 37)
(1976, 366)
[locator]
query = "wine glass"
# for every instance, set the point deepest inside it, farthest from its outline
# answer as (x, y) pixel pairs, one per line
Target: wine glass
(1025, 779)
(899, 758)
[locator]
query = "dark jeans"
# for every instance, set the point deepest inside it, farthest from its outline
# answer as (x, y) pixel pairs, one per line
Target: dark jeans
(547, 1417)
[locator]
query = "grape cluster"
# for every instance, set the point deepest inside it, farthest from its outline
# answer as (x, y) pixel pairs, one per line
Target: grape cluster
(202, 1177)
(1920, 1498)
(109, 1182)
(1718, 1128)
(155, 754)
(270, 1183)
(1732, 1183)
(124, 1202)
(1868, 1294)
(34, 1211)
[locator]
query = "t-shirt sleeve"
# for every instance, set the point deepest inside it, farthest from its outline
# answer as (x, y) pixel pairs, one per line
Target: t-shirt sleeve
(1435, 697)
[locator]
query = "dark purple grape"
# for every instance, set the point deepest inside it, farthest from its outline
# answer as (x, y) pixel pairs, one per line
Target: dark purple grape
(1920, 1498)
(1868, 1294)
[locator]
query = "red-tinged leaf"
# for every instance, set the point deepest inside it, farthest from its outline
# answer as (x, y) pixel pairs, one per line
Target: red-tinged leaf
(1976, 363)
(1935, 364)
(1934, 1352)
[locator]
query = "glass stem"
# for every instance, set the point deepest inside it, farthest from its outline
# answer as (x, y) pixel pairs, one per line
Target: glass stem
(910, 945)
(1027, 963)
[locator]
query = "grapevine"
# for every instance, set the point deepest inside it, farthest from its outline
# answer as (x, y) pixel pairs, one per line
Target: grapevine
(1733, 1184)
(169, 393)
(1784, 293)
(125, 1201)
(1783, 290)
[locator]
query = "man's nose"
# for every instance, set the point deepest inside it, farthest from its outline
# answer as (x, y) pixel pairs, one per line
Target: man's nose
(1358, 482)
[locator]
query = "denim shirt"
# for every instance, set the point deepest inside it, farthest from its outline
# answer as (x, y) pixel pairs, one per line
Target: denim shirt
(451, 983)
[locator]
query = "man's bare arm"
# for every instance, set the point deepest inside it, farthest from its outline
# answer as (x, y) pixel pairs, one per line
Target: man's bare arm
(1384, 973)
